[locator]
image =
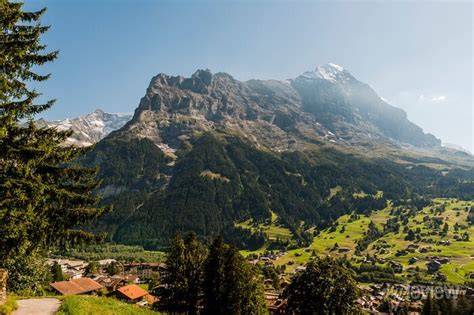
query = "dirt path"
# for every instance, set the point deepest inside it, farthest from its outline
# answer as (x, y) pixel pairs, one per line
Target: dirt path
(37, 307)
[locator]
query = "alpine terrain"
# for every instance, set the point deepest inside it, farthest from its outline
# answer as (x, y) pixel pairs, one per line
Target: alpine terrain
(207, 152)
(90, 128)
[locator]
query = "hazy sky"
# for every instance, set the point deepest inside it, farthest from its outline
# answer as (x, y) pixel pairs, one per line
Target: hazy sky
(416, 55)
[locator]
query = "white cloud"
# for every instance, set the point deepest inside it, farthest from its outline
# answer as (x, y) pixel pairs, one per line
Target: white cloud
(431, 99)
(440, 98)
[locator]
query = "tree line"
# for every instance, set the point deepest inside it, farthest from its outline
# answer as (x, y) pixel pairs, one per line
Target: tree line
(218, 280)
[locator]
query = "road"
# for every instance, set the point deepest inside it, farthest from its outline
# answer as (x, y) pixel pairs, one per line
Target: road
(37, 307)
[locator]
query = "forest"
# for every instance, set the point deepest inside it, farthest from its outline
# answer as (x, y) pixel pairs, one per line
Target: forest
(221, 179)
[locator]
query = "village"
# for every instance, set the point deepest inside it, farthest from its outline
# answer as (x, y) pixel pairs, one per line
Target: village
(138, 283)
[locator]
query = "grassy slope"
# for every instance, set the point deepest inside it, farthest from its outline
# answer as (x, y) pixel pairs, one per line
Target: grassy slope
(272, 230)
(460, 253)
(85, 305)
(456, 270)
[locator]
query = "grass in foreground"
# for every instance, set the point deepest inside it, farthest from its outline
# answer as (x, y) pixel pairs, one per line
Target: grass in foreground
(85, 305)
(9, 306)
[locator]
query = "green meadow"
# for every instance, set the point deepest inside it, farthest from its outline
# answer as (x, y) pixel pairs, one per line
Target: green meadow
(341, 240)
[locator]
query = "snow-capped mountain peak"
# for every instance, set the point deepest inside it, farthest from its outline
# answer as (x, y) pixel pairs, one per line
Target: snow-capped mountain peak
(90, 128)
(329, 72)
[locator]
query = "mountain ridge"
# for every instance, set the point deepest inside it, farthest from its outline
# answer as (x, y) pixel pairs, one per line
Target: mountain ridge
(322, 107)
(90, 128)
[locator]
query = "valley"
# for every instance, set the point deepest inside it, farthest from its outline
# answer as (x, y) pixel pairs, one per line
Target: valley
(454, 247)
(282, 188)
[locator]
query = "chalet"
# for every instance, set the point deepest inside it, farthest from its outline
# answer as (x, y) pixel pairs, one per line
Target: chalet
(132, 279)
(73, 269)
(145, 271)
(111, 283)
(446, 243)
(401, 252)
(443, 260)
(76, 286)
(397, 267)
(433, 266)
(268, 264)
(69, 263)
(275, 304)
(131, 293)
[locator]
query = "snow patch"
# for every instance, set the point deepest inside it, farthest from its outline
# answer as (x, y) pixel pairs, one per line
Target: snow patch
(329, 72)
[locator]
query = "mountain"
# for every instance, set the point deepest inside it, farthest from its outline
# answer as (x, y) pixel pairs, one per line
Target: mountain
(203, 153)
(340, 100)
(327, 104)
(90, 128)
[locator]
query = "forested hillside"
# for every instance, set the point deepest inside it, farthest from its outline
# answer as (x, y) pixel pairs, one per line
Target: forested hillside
(218, 180)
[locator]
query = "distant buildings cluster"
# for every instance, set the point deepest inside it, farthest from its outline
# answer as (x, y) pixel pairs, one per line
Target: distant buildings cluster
(124, 285)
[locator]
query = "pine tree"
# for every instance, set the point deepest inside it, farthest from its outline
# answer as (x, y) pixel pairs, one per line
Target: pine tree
(194, 258)
(154, 281)
(42, 197)
(113, 269)
(430, 306)
(445, 228)
(174, 281)
(323, 288)
(214, 278)
(92, 268)
(230, 283)
(183, 278)
(57, 272)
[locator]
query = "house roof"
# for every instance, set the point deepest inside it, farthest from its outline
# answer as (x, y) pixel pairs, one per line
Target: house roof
(109, 282)
(76, 286)
(132, 291)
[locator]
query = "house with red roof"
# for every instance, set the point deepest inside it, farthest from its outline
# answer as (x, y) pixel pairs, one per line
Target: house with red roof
(131, 293)
(76, 286)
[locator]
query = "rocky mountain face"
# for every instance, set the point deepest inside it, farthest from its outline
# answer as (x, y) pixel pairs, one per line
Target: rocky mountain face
(90, 128)
(324, 105)
(204, 152)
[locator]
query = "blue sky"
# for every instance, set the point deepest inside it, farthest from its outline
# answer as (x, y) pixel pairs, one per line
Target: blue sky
(416, 55)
